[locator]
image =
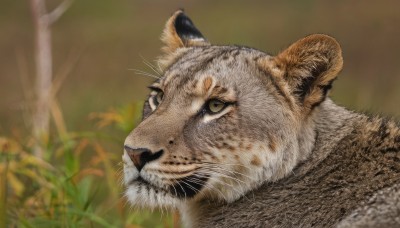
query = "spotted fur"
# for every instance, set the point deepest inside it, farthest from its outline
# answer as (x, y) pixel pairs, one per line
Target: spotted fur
(278, 154)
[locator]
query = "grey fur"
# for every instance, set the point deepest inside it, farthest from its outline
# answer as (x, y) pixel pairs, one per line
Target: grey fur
(346, 181)
(281, 154)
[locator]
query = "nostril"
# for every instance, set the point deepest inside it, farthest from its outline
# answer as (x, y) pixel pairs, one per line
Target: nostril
(148, 156)
(140, 156)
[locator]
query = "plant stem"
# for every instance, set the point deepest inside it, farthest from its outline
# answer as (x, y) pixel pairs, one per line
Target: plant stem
(43, 58)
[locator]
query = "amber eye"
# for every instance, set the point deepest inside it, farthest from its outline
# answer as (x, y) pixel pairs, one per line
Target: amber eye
(215, 106)
(158, 98)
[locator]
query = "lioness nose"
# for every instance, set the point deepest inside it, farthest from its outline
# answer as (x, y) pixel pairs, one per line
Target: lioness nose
(140, 156)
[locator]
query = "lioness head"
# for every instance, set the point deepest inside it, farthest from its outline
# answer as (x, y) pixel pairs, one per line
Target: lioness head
(223, 120)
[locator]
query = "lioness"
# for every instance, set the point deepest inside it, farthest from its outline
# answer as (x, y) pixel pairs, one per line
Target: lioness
(234, 137)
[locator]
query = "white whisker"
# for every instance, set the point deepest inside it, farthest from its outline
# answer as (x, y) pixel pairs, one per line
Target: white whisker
(144, 73)
(151, 66)
(210, 187)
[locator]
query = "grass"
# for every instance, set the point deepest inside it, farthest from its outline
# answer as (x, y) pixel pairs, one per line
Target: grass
(77, 184)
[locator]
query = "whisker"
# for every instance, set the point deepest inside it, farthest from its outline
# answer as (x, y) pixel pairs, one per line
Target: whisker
(144, 73)
(231, 164)
(198, 181)
(159, 66)
(215, 169)
(226, 184)
(210, 187)
(151, 66)
(239, 193)
(182, 189)
(190, 186)
(239, 182)
(230, 171)
(176, 192)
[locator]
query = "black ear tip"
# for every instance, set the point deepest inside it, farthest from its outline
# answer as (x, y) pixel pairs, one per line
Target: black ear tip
(185, 28)
(182, 19)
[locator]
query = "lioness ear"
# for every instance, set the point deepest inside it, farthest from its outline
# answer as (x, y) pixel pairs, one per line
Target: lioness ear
(310, 65)
(180, 32)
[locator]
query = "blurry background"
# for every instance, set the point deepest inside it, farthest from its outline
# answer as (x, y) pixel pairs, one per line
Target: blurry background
(111, 37)
(106, 38)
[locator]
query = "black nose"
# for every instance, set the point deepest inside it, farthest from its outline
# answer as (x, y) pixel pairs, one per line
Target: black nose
(140, 156)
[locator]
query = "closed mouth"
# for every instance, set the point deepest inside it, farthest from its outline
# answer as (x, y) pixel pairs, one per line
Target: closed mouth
(186, 187)
(143, 182)
(189, 186)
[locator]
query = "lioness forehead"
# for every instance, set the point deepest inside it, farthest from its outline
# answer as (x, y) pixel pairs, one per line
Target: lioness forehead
(225, 64)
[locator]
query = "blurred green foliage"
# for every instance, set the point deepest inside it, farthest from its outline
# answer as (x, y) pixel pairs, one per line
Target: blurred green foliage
(78, 184)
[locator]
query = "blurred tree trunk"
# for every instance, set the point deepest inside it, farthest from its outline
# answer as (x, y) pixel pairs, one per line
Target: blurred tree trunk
(43, 57)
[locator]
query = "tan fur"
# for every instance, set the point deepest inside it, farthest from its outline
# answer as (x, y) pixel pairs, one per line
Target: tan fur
(256, 161)
(207, 84)
(317, 52)
(272, 143)
(170, 37)
(279, 154)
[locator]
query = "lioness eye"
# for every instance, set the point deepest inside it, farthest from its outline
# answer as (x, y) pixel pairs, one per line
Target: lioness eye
(158, 98)
(215, 106)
